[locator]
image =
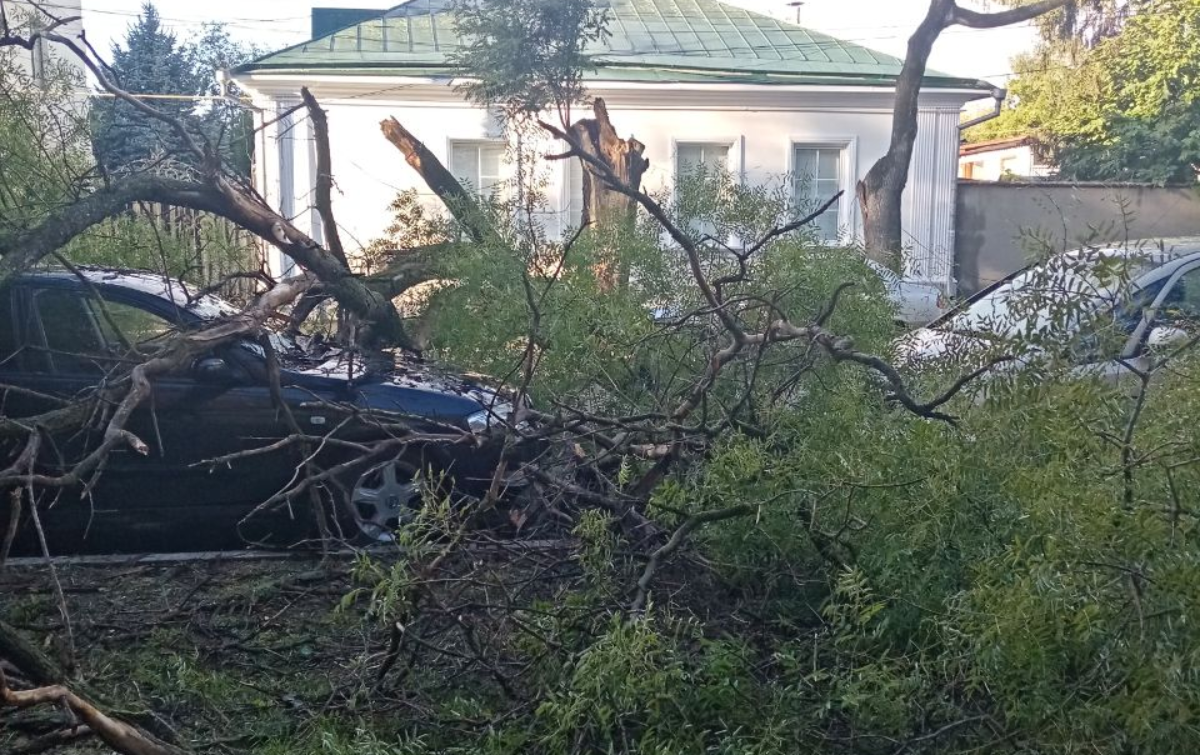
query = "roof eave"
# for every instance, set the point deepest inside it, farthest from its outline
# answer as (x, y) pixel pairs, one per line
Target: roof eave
(713, 75)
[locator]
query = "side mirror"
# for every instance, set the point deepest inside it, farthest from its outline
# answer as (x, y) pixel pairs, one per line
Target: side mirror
(1165, 337)
(213, 370)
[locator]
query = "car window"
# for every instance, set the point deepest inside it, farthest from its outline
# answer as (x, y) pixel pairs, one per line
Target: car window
(128, 328)
(1102, 337)
(1181, 306)
(70, 341)
(1058, 296)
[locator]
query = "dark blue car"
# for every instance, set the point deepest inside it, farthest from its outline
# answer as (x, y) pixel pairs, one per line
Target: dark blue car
(62, 332)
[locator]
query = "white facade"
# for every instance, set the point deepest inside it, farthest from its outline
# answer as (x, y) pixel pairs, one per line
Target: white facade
(24, 17)
(997, 161)
(761, 125)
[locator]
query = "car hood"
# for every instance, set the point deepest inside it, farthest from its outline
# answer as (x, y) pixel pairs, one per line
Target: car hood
(935, 348)
(404, 371)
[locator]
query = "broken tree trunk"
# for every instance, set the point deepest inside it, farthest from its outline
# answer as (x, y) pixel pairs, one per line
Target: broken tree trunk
(463, 205)
(603, 207)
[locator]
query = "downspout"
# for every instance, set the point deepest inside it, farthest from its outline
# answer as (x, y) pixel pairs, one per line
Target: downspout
(999, 95)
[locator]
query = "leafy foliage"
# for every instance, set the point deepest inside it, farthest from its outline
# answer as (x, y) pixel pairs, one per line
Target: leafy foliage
(43, 142)
(1123, 110)
(527, 55)
(153, 61)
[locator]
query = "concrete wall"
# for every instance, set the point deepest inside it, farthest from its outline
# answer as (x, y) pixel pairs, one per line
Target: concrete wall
(1000, 225)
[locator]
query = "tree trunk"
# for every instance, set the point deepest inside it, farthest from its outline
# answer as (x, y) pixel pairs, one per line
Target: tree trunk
(881, 212)
(881, 192)
(604, 208)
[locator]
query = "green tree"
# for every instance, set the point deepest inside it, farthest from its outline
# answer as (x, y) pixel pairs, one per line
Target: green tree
(154, 61)
(527, 55)
(1123, 109)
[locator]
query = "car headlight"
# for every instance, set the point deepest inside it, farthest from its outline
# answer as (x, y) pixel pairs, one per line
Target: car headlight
(484, 419)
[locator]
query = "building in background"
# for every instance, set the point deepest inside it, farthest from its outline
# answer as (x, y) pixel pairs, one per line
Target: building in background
(1002, 159)
(699, 82)
(39, 61)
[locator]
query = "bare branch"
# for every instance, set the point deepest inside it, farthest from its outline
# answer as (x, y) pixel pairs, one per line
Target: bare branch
(324, 187)
(783, 230)
(978, 20)
(122, 737)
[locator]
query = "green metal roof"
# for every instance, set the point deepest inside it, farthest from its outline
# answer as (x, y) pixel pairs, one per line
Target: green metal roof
(650, 40)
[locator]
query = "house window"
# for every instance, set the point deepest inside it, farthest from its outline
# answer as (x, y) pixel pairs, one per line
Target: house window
(477, 164)
(816, 176)
(707, 159)
(1008, 166)
(574, 192)
(697, 157)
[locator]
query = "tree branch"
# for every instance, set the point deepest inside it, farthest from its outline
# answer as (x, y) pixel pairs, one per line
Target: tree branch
(122, 737)
(324, 187)
(978, 20)
(463, 204)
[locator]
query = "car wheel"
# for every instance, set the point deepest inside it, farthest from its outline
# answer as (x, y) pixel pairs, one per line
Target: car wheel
(383, 497)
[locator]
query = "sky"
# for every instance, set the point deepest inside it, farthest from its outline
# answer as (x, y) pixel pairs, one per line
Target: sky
(883, 25)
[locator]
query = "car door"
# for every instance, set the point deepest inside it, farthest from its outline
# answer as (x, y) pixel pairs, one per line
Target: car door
(1174, 299)
(76, 339)
(194, 420)
(1176, 308)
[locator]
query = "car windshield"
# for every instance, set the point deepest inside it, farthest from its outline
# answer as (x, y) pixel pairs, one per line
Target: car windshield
(1058, 295)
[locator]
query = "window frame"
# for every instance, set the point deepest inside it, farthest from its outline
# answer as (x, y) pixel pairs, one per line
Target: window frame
(847, 218)
(1137, 341)
(735, 163)
(734, 155)
(566, 213)
(478, 142)
(36, 339)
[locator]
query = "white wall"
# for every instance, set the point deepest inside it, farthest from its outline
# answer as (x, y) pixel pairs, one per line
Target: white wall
(993, 165)
(21, 15)
(761, 126)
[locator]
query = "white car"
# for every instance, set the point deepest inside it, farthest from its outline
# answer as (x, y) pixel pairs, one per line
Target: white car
(1106, 309)
(916, 304)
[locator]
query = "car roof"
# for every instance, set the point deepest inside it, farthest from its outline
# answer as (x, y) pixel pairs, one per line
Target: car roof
(185, 296)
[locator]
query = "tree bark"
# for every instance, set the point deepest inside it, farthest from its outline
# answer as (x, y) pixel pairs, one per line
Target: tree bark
(602, 206)
(219, 197)
(881, 191)
(462, 204)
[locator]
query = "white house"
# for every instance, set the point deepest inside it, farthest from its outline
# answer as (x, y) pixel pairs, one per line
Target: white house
(25, 17)
(694, 80)
(999, 159)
